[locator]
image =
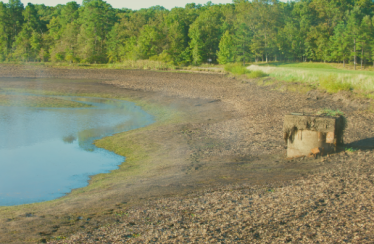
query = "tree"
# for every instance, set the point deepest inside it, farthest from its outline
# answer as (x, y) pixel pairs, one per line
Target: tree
(366, 34)
(263, 20)
(241, 43)
(96, 18)
(353, 27)
(15, 9)
(148, 43)
(63, 34)
(340, 43)
(177, 23)
(205, 34)
(225, 53)
(242, 33)
(4, 24)
(24, 45)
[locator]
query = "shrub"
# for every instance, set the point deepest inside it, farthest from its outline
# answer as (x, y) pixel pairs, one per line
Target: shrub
(256, 74)
(237, 69)
(330, 112)
(332, 85)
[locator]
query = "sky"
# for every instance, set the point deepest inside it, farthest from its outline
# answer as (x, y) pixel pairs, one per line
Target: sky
(134, 4)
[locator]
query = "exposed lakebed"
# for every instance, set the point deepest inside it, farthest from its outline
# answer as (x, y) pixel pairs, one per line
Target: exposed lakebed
(46, 152)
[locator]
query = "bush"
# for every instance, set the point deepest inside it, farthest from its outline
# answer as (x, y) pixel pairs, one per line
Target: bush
(237, 69)
(330, 112)
(256, 74)
(332, 85)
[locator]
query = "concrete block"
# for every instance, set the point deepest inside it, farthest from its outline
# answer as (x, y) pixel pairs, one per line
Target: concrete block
(312, 134)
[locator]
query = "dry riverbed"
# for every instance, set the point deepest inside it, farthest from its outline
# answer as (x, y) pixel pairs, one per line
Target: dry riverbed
(212, 169)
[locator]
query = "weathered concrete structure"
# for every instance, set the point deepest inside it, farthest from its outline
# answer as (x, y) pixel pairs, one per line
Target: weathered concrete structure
(312, 134)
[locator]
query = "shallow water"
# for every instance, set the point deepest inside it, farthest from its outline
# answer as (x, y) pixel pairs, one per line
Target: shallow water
(47, 152)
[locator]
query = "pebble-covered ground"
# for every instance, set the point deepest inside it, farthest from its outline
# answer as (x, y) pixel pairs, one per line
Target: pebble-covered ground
(327, 207)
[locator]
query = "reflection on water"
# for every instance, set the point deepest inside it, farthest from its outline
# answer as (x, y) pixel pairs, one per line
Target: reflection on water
(46, 152)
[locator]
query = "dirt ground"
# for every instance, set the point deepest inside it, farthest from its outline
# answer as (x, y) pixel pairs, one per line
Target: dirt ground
(218, 174)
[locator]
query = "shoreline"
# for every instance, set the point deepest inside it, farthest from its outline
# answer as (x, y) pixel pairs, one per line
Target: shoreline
(226, 132)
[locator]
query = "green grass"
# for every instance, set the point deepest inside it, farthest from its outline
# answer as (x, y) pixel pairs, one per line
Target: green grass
(320, 75)
(308, 65)
(332, 85)
(330, 112)
(256, 74)
(350, 149)
(236, 69)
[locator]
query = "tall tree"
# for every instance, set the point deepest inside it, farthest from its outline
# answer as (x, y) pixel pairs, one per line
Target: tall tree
(366, 34)
(241, 43)
(340, 43)
(263, 21)
(225, 53)
(4, 31)
(63, 33)
(15, 19)
(242, 33)
(353, 26)
(24, 46)
(205, 34)
(96, 18)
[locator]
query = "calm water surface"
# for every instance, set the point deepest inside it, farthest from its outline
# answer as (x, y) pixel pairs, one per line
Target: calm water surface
(47, 152)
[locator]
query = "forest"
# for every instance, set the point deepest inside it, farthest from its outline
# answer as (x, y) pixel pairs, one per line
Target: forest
(243, 31)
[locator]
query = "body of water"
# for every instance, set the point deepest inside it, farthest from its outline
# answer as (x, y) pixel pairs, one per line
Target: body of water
(47, 152)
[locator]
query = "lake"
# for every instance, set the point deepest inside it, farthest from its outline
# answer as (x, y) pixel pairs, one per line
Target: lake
(47, 152)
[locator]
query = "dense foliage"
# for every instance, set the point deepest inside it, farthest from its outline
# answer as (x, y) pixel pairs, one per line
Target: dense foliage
(94, 32)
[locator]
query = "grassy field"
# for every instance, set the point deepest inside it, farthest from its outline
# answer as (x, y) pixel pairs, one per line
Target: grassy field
(321, 76)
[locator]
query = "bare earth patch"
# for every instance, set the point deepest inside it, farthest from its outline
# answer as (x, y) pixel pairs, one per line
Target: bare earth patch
(215, 173)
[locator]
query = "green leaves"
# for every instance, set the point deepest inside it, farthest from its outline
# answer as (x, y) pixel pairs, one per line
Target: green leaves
(225, 53)
(245, 31)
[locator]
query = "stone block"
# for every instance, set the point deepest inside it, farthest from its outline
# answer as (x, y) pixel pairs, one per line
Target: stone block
(312, 134)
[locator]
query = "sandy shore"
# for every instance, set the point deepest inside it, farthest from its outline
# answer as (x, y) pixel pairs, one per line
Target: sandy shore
(217, 171)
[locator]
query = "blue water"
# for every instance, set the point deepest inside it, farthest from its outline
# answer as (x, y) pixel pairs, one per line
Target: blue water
(47, 152)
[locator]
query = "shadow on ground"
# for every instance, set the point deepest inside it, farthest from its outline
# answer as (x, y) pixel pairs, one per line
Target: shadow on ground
(363, 144)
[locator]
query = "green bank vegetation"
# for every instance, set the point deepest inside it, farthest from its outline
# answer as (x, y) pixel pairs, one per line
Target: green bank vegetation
(21, 100)
(321, 76)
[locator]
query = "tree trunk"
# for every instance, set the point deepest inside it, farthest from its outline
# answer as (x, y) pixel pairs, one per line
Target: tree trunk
(354, 52)
(266, 57)
(362, 56)
(343, 63)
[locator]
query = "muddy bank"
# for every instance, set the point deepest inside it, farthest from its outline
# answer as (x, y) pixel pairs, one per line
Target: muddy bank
(334, 206)
(226, 131)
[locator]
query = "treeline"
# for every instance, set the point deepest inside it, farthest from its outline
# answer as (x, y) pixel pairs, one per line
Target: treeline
(244, 31)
